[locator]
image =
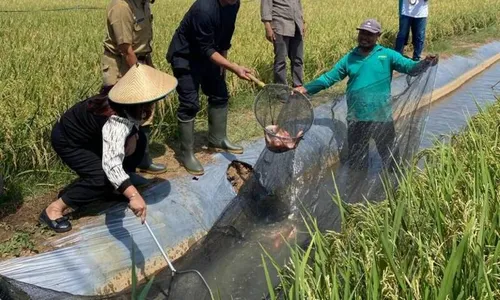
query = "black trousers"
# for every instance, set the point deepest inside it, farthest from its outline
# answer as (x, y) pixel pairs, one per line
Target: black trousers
(359, 134)
(212, 82)
(92, 183)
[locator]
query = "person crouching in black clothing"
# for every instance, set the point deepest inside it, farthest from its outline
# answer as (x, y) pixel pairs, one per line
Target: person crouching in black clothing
(99, 139)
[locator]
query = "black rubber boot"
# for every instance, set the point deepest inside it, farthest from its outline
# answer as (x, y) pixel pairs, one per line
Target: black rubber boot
(187, 158)
(217, 136)
(147, 165)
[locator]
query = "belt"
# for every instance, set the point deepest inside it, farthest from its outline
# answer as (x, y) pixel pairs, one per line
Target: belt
(140, 57)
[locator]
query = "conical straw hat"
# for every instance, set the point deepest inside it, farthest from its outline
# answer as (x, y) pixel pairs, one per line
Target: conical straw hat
(142, 84)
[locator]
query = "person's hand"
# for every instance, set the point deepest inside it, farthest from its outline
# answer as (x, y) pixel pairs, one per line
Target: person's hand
(270, 33)
(138, 206)
(431, 59)
(300, 89)
(241, 72)
(131, 144)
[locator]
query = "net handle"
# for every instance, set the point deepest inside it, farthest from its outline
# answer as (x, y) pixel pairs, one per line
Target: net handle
(160, 247)
(256, 81)
(169, 262)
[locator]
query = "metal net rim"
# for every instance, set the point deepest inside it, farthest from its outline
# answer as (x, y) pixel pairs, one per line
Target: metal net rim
(288, 88)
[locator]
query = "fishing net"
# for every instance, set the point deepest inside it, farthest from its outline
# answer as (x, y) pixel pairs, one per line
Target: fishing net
(184, 277)
(285, 116)
(343, 155)
(15, 290)
(355, 142)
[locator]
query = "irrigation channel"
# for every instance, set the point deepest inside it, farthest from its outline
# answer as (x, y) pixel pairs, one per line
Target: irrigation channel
(96, 260)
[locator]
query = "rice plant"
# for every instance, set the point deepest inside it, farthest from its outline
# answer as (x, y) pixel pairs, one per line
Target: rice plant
(135, 294)
(436, 237)
(51, 51)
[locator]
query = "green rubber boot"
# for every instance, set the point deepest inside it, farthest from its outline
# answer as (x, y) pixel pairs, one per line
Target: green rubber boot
(217, 134)
(187, 158)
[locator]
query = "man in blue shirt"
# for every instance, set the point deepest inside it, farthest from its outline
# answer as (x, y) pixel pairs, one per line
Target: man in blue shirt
(369, 67)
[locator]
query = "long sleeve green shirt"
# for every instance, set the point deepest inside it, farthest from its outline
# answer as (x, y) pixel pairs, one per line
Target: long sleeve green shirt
(369, 85)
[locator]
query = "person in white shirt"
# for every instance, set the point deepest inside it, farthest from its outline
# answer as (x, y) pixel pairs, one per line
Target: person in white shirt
(99, 139)
(413, 16)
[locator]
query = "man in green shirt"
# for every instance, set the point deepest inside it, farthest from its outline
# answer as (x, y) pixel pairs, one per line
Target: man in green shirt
(369, 67)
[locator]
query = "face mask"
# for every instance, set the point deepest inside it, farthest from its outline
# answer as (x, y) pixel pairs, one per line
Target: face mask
(134, 120)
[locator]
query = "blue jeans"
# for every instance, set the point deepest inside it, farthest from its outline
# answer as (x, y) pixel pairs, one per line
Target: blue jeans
(417, 26)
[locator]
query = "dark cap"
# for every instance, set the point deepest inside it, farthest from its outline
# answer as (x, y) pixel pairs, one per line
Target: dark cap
(370, 25)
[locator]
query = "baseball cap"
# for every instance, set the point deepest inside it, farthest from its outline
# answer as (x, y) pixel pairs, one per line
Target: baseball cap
(370, 25)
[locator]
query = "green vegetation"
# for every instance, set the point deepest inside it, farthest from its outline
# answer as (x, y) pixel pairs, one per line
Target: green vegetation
(20, 242)
(436, 237)
(51, 59)
(135, 294)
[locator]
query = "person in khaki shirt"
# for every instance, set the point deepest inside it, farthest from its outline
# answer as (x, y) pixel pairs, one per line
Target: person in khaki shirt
(128, 41)
(284, 24)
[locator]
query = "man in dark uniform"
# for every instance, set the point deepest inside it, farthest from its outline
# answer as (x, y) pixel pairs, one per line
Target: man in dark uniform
(197, 53)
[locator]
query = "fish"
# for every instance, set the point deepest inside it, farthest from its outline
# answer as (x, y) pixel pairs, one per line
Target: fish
(278, 139)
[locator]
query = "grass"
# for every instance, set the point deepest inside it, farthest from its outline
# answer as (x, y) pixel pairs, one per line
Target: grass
(19, 243)
(436, 237)
(463, 44)
(52, 60)
(135, 294)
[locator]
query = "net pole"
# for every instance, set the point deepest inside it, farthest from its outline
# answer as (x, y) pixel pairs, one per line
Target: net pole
(160, 247)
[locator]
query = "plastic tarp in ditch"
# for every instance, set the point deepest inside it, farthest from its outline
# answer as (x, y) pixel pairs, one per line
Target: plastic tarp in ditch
(97, 259)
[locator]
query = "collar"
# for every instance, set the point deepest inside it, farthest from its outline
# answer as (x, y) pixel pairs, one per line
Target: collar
(139, 3)
(375, 49)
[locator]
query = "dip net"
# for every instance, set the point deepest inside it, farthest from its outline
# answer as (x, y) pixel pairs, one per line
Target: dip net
(285, 116)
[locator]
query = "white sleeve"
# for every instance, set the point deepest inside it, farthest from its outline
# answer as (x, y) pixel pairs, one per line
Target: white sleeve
(114, 134)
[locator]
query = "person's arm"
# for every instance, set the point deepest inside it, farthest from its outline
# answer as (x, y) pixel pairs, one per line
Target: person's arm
(129, 54)
(304, 29)
(205, 38)
(338, 73)
(225, 43)
(408, 66)
(266, 13)
(270, 36)
(136, 202)
(114, 135)
(122, 21)
(204, 33)
(221, 61)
